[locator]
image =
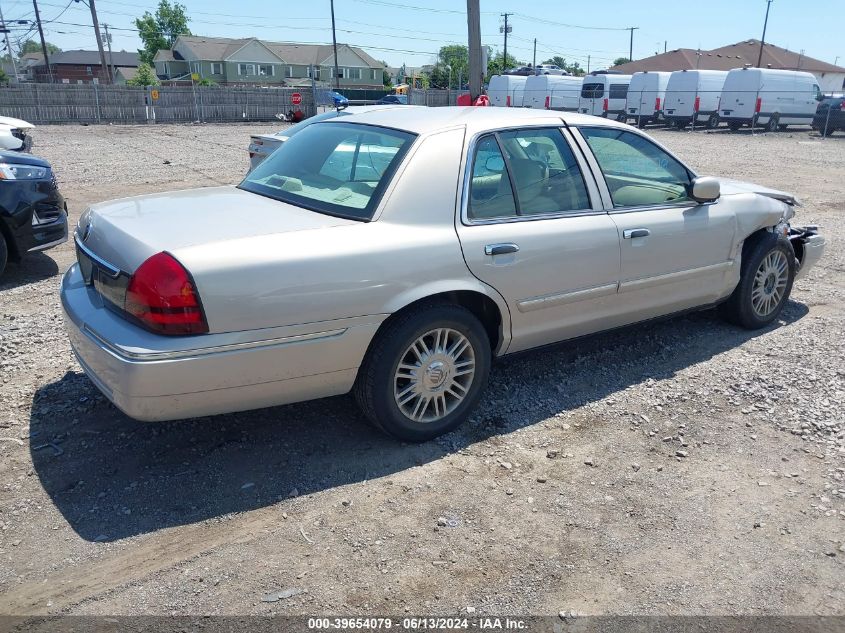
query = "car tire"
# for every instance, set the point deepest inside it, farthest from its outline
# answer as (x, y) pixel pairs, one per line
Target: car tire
(681, 123)
(713, 121)
(772, 123)
(407, 403)
(4, 254)
(782, 127)
(765, 282)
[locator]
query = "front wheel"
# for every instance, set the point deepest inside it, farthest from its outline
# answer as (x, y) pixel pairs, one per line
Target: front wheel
(425, 373)
(768, 270)
(4, 254)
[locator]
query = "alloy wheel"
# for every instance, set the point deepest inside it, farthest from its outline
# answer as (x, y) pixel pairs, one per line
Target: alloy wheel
(434, 375)
(770, 282)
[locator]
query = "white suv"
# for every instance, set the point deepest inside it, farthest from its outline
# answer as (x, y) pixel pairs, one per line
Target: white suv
(549, 69)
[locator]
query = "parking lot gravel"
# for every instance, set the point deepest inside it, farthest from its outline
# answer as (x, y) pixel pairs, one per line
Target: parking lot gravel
(678, 467)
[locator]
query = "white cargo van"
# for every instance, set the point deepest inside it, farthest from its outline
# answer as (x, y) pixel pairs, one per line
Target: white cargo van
(692, 96)
(646, 95)
(506, 91)
(768, 98)
(604, 95)
(553, 92)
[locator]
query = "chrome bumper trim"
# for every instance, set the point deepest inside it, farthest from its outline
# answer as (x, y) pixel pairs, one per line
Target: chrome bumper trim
(205, 351)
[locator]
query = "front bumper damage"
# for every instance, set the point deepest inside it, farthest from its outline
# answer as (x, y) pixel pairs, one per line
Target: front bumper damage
(808, 246)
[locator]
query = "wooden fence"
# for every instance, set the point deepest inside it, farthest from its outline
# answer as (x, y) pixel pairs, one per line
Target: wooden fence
(93, 103)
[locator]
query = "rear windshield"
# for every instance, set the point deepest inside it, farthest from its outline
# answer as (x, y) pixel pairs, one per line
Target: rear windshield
(334, 168)
(618, 91)
(592, 91)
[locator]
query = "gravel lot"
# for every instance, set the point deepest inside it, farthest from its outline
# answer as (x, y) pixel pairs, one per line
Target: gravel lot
(685, 467)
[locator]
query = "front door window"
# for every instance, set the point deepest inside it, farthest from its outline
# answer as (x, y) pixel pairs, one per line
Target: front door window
(636, 170)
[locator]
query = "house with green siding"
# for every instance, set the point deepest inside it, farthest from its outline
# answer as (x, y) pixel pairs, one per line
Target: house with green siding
(254, 62)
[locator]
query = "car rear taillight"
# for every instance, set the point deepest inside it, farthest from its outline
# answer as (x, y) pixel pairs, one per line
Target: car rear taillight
(548, 101)
(697, 104)
(162, 296)
(605, 105)
(657, 103)
(759, 105)
(508, 101)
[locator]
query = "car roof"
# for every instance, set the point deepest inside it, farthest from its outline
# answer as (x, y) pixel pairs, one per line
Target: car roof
(423, 120)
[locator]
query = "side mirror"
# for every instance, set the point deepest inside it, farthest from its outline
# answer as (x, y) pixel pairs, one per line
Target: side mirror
(705, 189)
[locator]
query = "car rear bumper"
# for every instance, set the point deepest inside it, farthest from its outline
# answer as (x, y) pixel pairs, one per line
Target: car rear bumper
(153, 377)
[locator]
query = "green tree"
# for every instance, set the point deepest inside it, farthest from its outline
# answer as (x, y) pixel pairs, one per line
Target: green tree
(620, 60)
(4, 78)
(31, 46)
(386, 81)
(160, 30)
(557, 60)
(456, 57)
(439, 77)
(146, 77)
(498, 64)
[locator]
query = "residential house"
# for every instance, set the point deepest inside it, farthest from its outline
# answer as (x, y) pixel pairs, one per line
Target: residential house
(82, 67)
(254, 62)
(831, 78)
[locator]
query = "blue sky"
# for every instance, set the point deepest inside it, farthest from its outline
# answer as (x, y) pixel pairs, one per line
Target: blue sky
(412, 32)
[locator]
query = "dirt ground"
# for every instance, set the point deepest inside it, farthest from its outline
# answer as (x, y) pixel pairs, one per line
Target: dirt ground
(682, 467)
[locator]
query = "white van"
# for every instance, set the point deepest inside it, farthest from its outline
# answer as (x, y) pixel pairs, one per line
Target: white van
(646, 95)
(768, 98)
(692, 96)
(604, 95)
(506, 91)
(553, 92)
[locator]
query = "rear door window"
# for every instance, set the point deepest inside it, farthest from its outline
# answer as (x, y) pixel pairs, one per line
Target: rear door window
(592, 91)
(618, 91)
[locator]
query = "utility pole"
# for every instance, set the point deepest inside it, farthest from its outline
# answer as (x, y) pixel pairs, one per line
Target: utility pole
(5, 30)
(631, 46)
(334, 44)
(43, 43)
(763, 40)
(665, 44)
(476, 73)
(103, 63)
(588, 64)
(505, 29)
(108, 41)
(535, 52)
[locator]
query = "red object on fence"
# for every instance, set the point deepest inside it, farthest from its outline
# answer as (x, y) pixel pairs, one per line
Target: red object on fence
(296, 98)
(697, 104)
(465, 99)
(482, 101)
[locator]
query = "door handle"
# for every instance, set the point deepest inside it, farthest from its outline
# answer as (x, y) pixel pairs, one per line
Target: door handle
(629, 234)
(501, 249)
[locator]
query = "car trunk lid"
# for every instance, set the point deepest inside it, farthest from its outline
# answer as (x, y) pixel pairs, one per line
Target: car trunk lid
(124, 233)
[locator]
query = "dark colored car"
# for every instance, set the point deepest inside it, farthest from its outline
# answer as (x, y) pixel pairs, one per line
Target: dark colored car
(33, 214)
(394, 99)
(523, 71)
(830, 115)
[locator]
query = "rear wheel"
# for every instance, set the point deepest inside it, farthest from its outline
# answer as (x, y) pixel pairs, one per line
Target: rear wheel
(425, 373)
(681, 123)
(768, 270)
(772, 124)
(782, 127)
